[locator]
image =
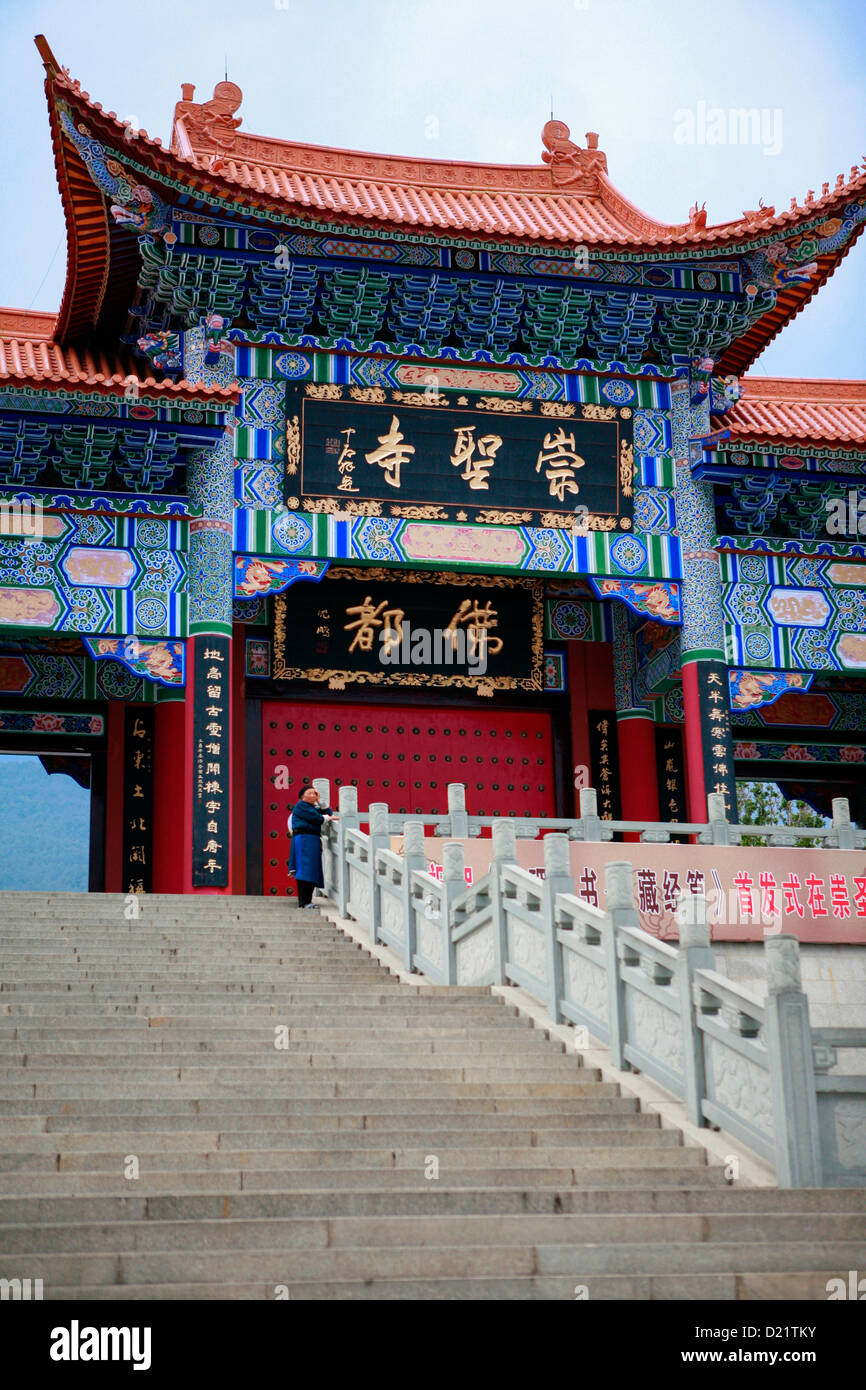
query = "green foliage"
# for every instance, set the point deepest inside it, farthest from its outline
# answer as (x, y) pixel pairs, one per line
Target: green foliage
(761, 803)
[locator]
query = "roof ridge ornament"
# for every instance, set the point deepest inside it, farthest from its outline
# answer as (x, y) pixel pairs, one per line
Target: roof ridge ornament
(211, 122)
(568, 162)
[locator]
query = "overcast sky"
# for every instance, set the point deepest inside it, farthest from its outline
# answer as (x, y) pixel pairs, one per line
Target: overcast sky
(472, 79)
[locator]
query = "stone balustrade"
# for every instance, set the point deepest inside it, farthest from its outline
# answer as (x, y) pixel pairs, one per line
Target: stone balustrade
(754, 1069)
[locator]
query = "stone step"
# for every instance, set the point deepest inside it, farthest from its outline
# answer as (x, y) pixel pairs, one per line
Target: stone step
(394, 1011)
(12, 1127)
(392, 1029)
(681, 1234)
(173, 1183)
(153, 1041)
(258, 1049)
(430, 1261)
(604, 1153)
(660, 1288)
(312, 1089)
(600, 1096)
(433, 1199)
(434, 1138)
(308, 1165)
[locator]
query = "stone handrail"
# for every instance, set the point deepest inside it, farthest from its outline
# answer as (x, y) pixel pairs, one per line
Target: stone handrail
(590, 827)
(754, 1069)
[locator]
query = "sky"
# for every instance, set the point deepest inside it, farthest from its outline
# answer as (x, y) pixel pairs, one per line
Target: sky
(33, 803)
(473, 80)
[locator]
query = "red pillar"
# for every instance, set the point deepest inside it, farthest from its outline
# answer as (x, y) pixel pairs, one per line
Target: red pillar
(590, 686)
(637, 768)
(577, 715)
(696, 790)
(114, 797)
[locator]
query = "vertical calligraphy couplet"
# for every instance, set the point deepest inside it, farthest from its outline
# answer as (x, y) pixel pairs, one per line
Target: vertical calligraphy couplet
(717, 743)
(670, 765)
(211, 761)
(604, 762)
(138, 737)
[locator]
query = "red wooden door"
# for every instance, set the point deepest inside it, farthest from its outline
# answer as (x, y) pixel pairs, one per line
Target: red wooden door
(405, 755)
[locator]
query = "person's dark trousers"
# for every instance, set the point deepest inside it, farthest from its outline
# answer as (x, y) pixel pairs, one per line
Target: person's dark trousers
(305, 893)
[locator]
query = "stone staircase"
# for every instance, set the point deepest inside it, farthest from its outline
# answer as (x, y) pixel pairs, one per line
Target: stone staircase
(307, 1169)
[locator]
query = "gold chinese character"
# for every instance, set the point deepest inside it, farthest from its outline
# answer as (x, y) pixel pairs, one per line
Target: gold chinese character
(214, 692)
(559, 455)
(392, 453)
(478, 622)
(138, 729)
(210, 654)
(368, 620)
(477, 469)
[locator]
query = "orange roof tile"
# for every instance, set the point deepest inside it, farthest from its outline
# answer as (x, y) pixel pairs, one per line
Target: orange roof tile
(798, 411)
(29, 355)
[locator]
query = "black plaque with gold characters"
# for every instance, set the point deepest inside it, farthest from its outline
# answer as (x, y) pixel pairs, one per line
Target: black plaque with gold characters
(138, 735)
(434, 455)
(717, 743)
(670, 768)
(411, 628)
(211, 765)
(604, 762)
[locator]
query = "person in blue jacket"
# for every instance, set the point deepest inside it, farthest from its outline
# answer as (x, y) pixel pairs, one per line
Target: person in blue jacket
(305, 855)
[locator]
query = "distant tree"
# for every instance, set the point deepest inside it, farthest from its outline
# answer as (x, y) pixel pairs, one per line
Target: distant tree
(761, 803)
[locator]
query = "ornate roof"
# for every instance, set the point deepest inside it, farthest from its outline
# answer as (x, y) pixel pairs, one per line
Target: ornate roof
(798, 411)
(566, 199)
(29, 355)
(567, 196)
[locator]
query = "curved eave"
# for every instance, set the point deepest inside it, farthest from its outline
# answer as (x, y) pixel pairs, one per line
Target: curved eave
(772, 439)
(791, 301)
(115, 383)
(87, 236)
(644, 232)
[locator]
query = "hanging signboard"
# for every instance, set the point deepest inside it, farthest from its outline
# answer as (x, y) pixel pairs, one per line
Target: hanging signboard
(412, 628)
(433, 455)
